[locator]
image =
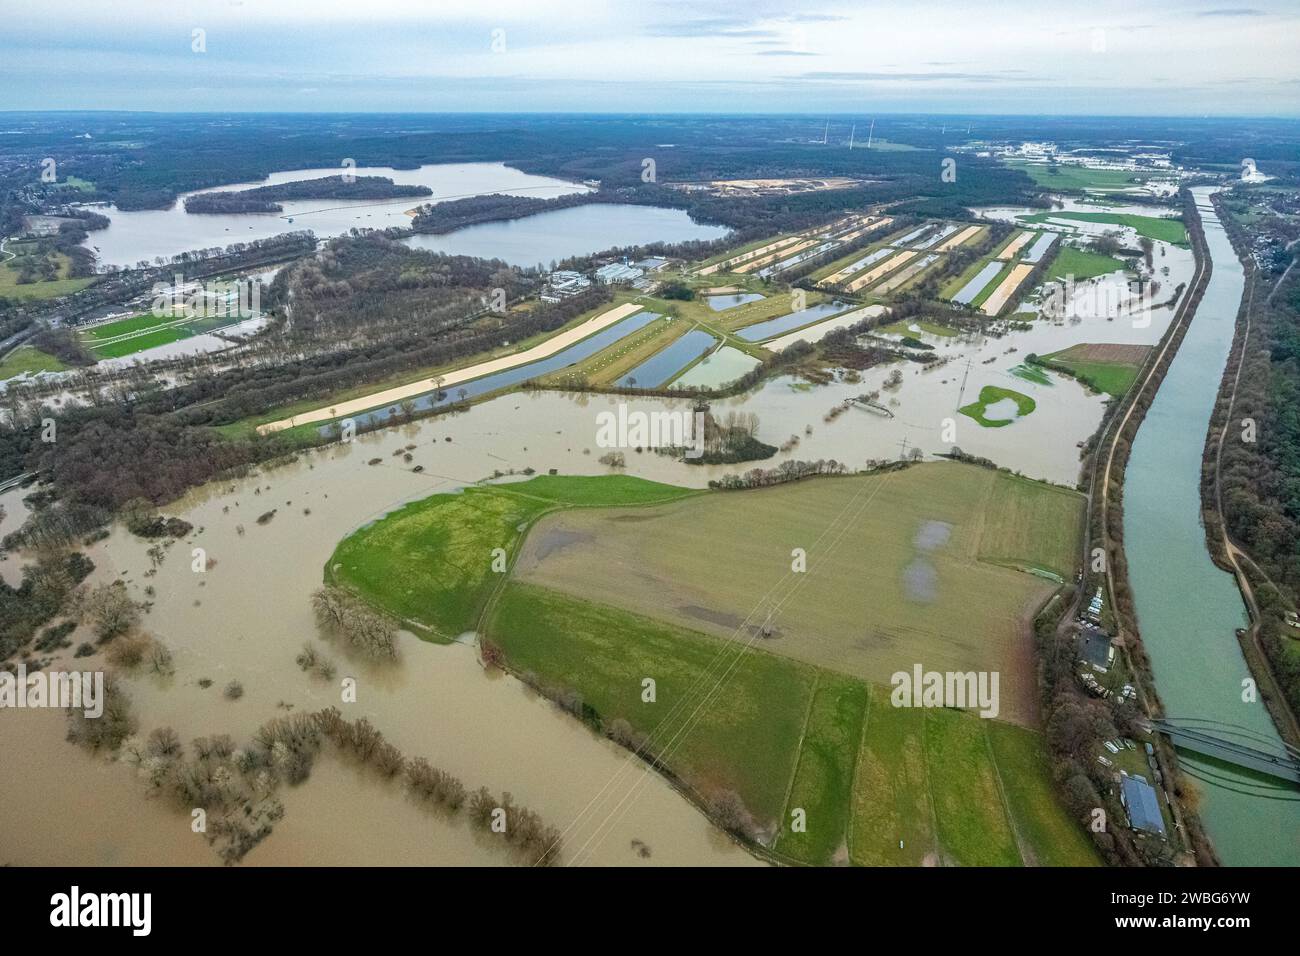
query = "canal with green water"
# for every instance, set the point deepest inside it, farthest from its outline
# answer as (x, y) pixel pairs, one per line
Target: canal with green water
(1188, 609)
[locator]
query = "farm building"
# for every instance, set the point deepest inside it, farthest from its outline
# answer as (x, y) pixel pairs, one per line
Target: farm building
(618, 273)
(1095, 648)
(1143, 807)
(562, 284)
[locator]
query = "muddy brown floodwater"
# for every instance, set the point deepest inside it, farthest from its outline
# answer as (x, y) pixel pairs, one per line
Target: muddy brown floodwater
(247, 617)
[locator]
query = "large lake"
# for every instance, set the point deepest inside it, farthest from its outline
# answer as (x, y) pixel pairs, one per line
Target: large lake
(551, 236)
(135, 236)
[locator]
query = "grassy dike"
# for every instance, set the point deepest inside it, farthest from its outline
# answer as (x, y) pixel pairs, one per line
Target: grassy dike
(729, 718)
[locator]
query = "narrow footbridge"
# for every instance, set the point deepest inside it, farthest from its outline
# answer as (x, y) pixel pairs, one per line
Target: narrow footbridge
(1232, 744)
(866, 403)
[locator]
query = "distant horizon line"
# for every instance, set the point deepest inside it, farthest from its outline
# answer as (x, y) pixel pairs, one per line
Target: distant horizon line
(1284, 118)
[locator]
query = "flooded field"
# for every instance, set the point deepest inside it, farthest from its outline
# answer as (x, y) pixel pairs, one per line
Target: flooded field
(720, 303)
(784, 323)
(665, 364)
(248, 616)
(246, 619)
(725, 365)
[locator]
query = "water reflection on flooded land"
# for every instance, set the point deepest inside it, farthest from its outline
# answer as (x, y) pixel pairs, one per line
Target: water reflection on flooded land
(247, 618)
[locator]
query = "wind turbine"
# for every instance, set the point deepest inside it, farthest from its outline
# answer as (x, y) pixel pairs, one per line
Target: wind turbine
(871, 133)
(852, 133)
(825, 131)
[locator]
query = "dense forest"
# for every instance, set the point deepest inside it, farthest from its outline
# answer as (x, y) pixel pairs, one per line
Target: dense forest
(1260, 465)
(137, 162)
(267, 198)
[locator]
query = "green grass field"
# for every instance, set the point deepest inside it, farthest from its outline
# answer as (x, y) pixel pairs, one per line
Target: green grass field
(1111, 377)
(1104, 376)
(783, 730)
(1082, 264)
(1078, 178)
(430, 562)
(893, 818)
(133, 323)
(1153, 227)
(973, 828)
(1031, 525)
(11, 288)
(138, 343)
(904, 327)
(785, 736)
(1051, 837)
(991, 395)
(858, 611)
(27, 358)
(823, 780)
(744, 737)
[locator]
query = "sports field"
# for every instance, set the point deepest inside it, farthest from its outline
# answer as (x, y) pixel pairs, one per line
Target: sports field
(136, 333)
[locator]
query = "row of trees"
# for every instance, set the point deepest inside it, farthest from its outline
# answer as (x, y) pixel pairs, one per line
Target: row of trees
(339, 613)
(1260, 461)
(788, 470)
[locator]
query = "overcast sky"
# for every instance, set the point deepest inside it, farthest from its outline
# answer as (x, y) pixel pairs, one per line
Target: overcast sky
(951, 56)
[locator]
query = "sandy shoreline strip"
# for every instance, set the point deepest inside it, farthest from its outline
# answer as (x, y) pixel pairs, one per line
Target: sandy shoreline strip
(954, 241)
(746, 256)
(889, 265)
(388, 396)
(1014, 246)
(1007, 288)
